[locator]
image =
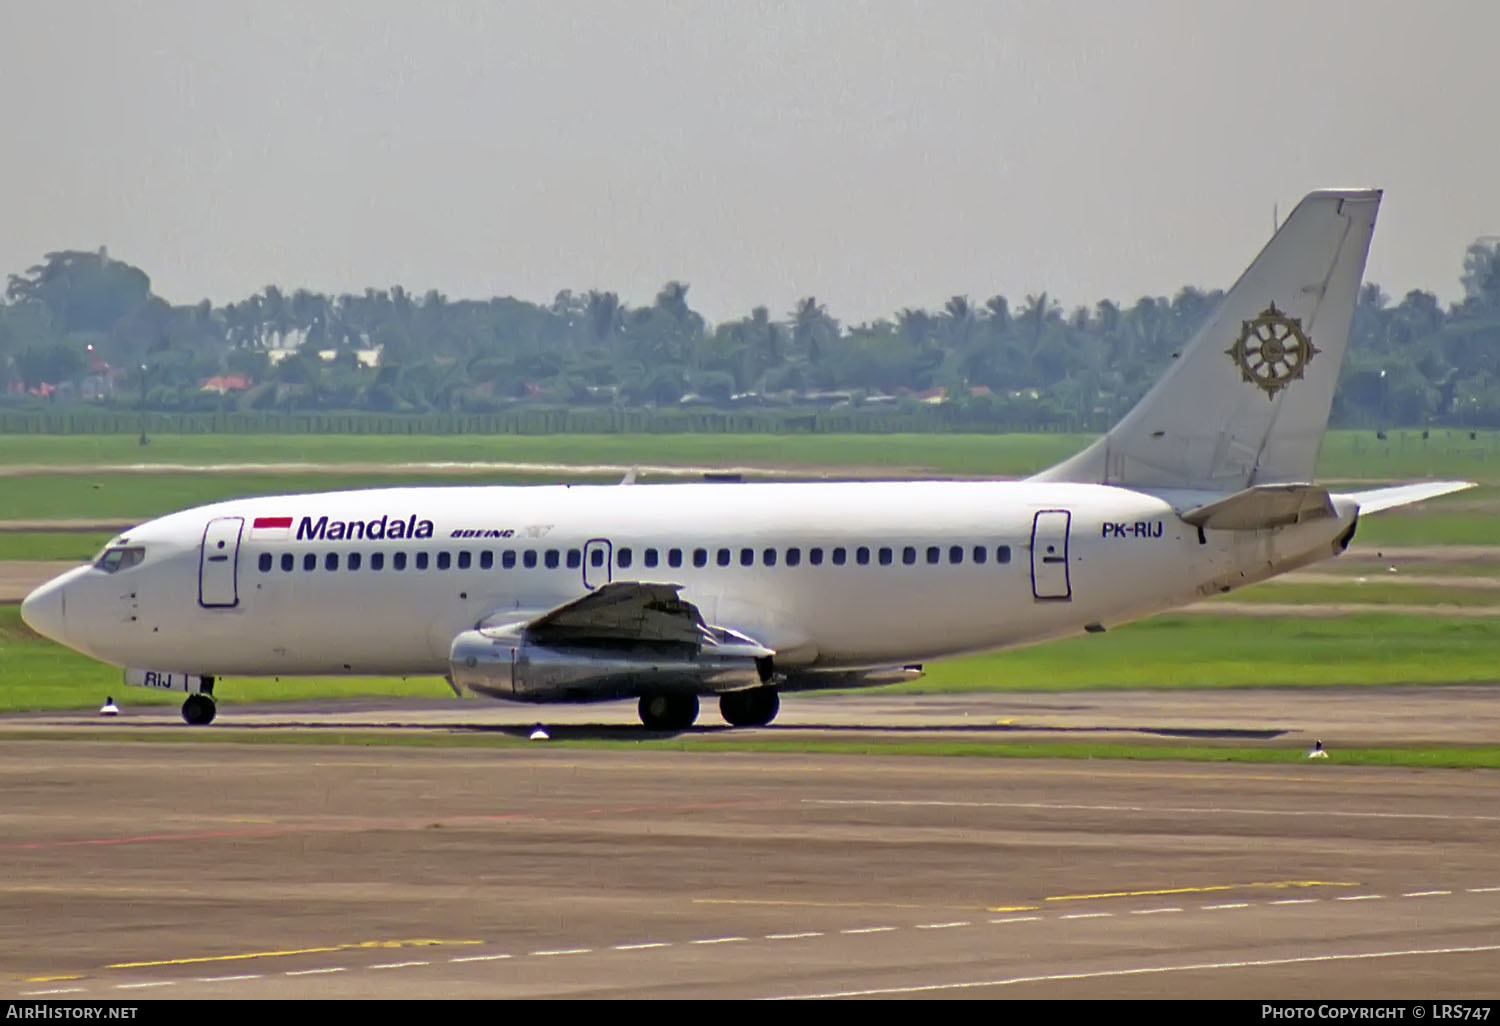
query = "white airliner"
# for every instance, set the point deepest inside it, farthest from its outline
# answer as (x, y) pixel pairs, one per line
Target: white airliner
(742, 591)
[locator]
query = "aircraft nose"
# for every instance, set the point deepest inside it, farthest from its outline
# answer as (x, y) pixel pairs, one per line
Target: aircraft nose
(45, 611)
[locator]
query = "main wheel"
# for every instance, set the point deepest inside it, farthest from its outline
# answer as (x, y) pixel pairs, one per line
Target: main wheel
(199, 710)
(663, 711)
(753, 708)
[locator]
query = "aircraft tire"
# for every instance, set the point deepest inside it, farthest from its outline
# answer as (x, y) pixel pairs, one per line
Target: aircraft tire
(754, 708)
(199, 710)
(663, 711)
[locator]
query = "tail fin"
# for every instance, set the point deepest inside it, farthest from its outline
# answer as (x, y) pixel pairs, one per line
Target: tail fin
(1247, 402)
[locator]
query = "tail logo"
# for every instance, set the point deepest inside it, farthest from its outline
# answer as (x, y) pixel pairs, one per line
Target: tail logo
(1272, 350)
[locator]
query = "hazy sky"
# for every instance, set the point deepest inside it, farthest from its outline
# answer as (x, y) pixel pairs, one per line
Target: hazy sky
(875, 155)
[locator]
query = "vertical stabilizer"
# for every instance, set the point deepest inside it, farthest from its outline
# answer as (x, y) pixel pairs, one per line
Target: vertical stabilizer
(1247, 401)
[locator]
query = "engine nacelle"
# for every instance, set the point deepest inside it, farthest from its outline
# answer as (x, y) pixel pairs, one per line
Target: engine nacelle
(504, 663)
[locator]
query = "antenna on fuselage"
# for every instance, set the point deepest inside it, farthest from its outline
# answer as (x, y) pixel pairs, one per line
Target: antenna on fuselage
(629, 477)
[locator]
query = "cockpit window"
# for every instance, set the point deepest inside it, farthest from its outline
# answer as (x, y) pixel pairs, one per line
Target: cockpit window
(120, 558)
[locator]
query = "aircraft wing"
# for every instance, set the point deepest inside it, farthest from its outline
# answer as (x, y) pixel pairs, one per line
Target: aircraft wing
(635, 611)
(1377, 499)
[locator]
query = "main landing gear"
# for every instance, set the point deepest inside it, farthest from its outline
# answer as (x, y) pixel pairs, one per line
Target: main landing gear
(753, 708)
(668, 711)
(199, 709)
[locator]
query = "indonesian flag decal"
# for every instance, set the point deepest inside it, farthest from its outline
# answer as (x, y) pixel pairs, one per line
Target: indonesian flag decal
(271, 528)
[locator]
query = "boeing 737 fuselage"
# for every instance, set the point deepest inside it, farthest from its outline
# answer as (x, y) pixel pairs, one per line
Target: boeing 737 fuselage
(742, 591)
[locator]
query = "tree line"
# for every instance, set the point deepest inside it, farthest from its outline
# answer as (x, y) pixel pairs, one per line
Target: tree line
(82, 326)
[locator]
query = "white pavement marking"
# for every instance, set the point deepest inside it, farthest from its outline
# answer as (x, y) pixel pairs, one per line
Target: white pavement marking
(791, 936)
(1293, 901)
(1153, 911)
(870, 929)
(1191, 967)
(939, 926)
(1088, 915)
(1360, 897)
(1424, 894)
(719, 940)
(396, 965)
(228, 979)
(139, 986)
(56, 990)
(642, 947)
(1482, 890)
(562, 951)
(1017, 919)
(315, 972)
(1174, 810)
(479, 958)
(1230, 904)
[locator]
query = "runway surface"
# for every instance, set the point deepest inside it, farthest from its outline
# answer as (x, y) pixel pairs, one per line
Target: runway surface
(156, 870)
(1340, 717)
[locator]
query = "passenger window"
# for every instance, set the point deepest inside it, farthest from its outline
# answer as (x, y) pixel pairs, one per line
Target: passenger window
(596, 558)
(700, 557)
(622, 558)
(310, 561)
(886, 555)
(377, 561)
(486, 560)
(287, 561)
(674, 557)
(575, 559)
(934, 554)
(398, 561)
(508, 559)
(1002, 554)
(420, 562)
(463, 560)
(862, 556)
(980, 553)
(444, 560)
(528, 559)
(768, 557)
(838, 556)
(815, 557)
(793, 556)
(909, 555)
(747, 557)
(650, 557)
(331, 561)
(956, 554)
(552, 558)
(724, 557)
(265, 562)
(354, 561)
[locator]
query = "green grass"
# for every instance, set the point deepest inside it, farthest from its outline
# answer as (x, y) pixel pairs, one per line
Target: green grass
(40, 545)
(1168, 652)
(1442, 757)
(1375, 591)
(1345, 454)
(146, 495)
(1432, 525)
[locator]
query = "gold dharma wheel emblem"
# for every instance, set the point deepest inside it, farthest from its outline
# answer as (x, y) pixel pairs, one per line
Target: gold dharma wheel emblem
(1272, 350)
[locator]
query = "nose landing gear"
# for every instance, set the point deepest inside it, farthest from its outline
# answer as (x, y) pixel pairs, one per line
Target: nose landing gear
(199, 709)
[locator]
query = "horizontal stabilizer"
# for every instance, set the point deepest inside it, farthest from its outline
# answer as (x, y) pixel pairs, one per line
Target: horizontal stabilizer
(1262, 507)
(1377, 499)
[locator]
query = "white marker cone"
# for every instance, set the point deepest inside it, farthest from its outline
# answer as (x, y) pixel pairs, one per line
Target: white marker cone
(109, 708)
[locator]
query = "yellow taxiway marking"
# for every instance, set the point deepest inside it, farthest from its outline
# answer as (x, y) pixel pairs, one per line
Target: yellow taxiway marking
(421, 942)
(51, 979)
(1013, 908)
(1277, 884)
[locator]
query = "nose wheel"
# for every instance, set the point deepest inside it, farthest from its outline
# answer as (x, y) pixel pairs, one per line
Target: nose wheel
(199, 710)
